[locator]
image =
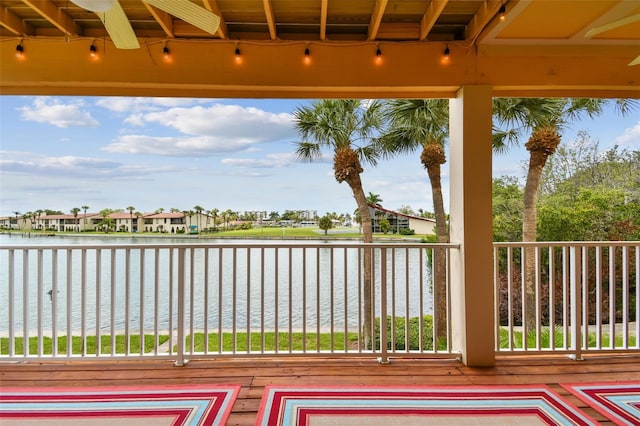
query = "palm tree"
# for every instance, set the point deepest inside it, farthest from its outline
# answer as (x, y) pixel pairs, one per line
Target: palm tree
(214, 214)
(39, 213)
(85, 208)
(74, 212)
(424, 124)
(346, 127)
(199, 211)
(374, 199)
(17, 224)
(543, 119)
(131, 209)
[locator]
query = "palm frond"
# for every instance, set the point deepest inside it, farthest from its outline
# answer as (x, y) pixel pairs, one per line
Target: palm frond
(308, 151)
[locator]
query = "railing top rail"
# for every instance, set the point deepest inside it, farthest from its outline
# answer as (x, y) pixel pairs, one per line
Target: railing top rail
(568, 244)
(239, 244)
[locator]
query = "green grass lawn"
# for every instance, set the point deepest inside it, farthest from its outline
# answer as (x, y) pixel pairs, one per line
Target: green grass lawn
(558, 337)
(308, 342)
(77, 344)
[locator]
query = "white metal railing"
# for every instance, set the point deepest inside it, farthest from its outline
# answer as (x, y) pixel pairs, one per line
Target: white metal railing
(570, 297)
(180, 301)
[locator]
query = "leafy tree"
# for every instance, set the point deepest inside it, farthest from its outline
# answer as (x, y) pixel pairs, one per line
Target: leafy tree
(385, 226)
(596, 196)
(325, 223)
(106, 223)
(405, 209)
(274, 216)
(507, 209)
(424, 124)
(347, 128)
(542, 119)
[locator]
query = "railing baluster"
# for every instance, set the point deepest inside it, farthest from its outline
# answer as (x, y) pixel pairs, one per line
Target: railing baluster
(192, 284)
(384, 356)
(112, 283)
(98, 304)
(345, 286)
(127, 299)
(234, 300)
(625, 297)
(11, 258)
(25, 303)
(276, 291)
(538, 293)
(220, 286)
(576, 301)
(290, 282)
(141, 266)
(262, 304)
(318, 300)
(40, 317)
(598, 296)
(248, 315)
(83, 299)
(304, 300)
(612, 297)
(180, 359)
(156, 300)
(70, 303)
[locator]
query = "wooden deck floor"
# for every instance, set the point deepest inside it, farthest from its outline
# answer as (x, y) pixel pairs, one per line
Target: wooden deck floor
(254, 374)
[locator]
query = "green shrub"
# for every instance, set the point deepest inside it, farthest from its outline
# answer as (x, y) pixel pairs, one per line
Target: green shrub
(398, 339)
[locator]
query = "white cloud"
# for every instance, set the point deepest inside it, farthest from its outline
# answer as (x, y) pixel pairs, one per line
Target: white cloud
(197, 146)
(209, 131)
(71, 166)
(230, 121)
(53, 111)
(128, 105)
(630, 137)
(270, 161)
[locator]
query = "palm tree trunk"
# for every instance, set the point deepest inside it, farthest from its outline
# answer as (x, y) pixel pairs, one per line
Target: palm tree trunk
(365, 219)
(537, 161)
(439, 255)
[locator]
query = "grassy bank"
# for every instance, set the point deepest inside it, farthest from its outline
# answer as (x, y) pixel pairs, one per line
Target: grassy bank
(268, 342)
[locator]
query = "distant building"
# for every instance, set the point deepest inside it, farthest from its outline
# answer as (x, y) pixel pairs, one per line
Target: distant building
(398, 221)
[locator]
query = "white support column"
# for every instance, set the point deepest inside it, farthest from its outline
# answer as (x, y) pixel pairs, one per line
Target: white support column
(472, 316)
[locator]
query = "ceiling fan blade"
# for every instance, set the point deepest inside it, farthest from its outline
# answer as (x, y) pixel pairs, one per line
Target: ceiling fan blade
(612, 25)
(189, 12)
(95, 5)
(119, 28)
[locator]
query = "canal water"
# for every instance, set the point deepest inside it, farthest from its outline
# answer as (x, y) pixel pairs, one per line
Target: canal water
(228, 286)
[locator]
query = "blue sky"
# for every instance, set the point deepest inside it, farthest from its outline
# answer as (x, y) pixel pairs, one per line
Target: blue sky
(108, 152)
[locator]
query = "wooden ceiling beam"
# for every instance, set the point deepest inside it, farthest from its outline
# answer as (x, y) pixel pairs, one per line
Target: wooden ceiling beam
(49, 11)
(482, 18)
(13, 23)
(431, 16)
(163, 18)
(271, 21)
(212, 6)
(376, 19)
(324, 7)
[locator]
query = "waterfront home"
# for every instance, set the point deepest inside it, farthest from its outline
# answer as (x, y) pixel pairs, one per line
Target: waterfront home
(398, 222)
